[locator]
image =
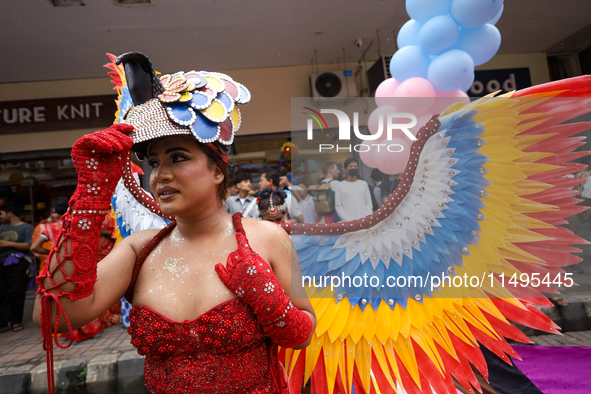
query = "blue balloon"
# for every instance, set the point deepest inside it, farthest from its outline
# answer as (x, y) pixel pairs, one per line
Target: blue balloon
(450, 71)
(496, 18)
(481, 43)
(467, 86)
(474, 13)
(409, 62)
(423, 10)
(409, 34)
(438, 34)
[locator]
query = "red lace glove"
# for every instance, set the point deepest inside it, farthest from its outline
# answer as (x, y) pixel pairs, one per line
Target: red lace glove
(250, 278)
(99, 159)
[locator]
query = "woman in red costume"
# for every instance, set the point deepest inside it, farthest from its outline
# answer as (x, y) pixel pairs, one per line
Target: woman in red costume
(212, 293)
(48, 230)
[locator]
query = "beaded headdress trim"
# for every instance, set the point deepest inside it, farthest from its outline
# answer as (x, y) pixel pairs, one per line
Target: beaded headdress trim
(273, 210)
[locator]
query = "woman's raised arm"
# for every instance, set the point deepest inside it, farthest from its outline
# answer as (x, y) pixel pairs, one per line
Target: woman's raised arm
(71, 271)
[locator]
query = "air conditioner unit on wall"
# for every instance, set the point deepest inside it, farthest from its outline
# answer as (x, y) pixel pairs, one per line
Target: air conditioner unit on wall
(333, 84)
(377, 73)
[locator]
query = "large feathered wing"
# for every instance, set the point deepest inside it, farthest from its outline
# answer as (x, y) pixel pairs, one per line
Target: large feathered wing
(483, 197)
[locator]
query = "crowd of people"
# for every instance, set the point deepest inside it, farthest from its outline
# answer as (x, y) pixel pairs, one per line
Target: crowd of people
(23, 253)
(340, 196)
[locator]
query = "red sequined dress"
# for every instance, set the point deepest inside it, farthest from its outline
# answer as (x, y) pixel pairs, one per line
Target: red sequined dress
(222, 351)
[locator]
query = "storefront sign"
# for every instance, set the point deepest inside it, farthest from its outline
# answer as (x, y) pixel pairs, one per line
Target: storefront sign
(57, 114)
(506, 79)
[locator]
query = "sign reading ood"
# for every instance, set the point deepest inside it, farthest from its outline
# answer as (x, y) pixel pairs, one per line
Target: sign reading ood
(57, 114)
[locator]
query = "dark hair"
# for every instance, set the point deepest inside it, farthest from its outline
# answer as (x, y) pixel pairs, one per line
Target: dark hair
(214, 159)
(14, 207)
(279, 197)
(240, 177)
(327, 166)
(349, 161)
(304, 181)
(376, 175)
(60, 206)
(273, 176)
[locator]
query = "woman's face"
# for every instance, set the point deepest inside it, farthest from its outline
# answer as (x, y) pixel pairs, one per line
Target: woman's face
(182, 180)
(278, 218)
(54, 216)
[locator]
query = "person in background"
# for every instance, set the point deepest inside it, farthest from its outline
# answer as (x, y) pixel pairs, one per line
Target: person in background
(272, 179)
(15, 264)
(331, 175)
(331, 172)
(307, 205)
(242, 202)
(352, 197)
(45, 233)
(376, 179)
(294, 189)
(232, 189)
(272, 205)
(389, 184)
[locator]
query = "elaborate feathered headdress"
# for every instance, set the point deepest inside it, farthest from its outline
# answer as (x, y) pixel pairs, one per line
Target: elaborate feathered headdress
(197, 103)
(201, 104)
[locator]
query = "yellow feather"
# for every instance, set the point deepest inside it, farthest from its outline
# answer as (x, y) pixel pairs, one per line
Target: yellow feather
(351, 320)
(312, 353)
(404, 350)
(328, 316)
(358, 325)
(363, 363)
(371, 324)
(380, 352)
(350, 359)
(383, 320)
(405, 321)
(389, 352)
(336, 328)
(420, 338)
(330, 352)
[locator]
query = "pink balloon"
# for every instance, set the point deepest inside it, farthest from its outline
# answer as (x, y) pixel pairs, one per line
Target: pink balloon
(393, 156)
(444, 100)
(368, 157)
(417, 96)
(386, 89)
(373, 120)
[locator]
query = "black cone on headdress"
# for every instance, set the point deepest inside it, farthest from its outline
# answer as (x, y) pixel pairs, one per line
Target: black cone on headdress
(142, 82)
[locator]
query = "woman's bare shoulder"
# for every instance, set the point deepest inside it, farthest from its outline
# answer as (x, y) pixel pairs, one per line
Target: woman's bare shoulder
(137, 241)
(269, 240)
(263, 229)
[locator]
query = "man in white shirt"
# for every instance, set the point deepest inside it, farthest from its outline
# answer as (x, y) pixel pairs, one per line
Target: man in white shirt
(352, 197)
(243, 202)
(307, 204)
